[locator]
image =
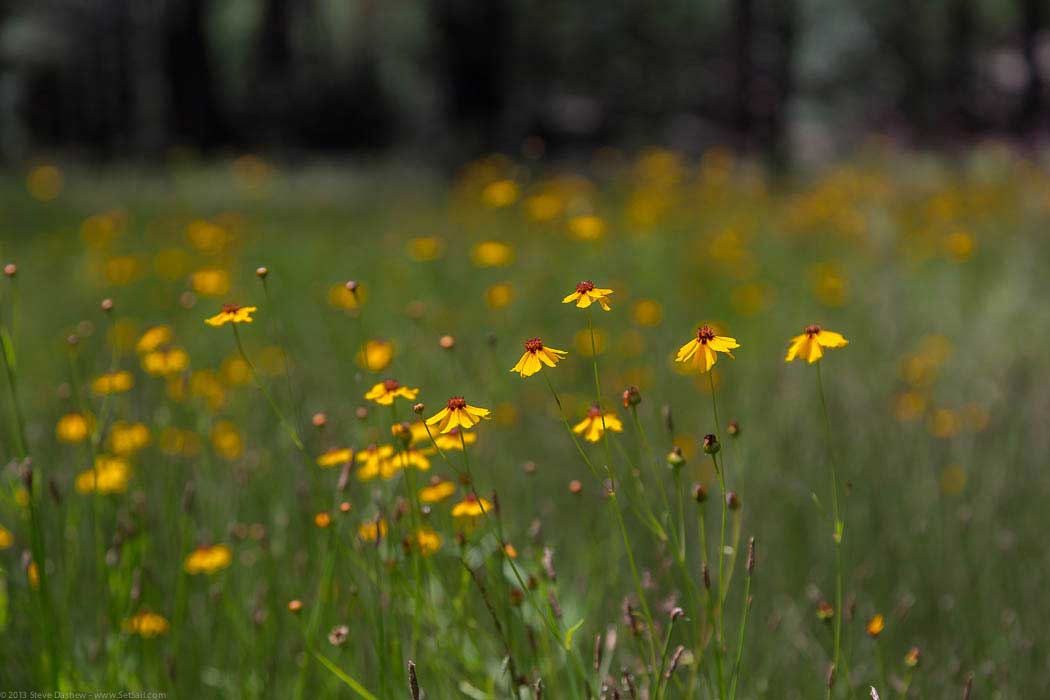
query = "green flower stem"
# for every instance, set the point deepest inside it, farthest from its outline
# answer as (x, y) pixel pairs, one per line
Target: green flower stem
(837, 533)
(288, 428)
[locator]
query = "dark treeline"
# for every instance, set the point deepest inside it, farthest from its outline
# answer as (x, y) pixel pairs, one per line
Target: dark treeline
(449, 79)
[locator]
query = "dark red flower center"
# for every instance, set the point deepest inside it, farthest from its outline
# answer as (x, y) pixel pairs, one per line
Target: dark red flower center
(584, 287)
(704, 333)
(231, 308)
(533, 345)
(456, 403)
(812, 330)
(391, 384)
(471, 498)
(594, 411)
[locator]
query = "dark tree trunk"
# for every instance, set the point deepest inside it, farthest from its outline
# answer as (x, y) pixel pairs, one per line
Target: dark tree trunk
(960, 81)
(196, 117)
(744, 70)
(1031, 114)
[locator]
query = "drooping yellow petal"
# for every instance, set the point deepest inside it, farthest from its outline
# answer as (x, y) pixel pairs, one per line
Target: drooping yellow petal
(794, 350)
(520, 367)
(724, 344)
(813, 350)
(571, 298)
(687, 351)
(613, 423)
(581, 426)
(438, 417)
(831, 339)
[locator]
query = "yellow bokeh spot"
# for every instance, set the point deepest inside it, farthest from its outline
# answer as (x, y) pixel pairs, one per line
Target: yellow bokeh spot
(958, 246)
(582, 342)
(543, 207)
(830, 285)
(73, 427)
(227, 440)
(375, 355)
(6, 538)
(210, 282)
(909, 406)
(206, 237)
(750, 299)
(499, 295)
(109, 475)
(342, 298)
(505, 414)
(501, 193)
(44, 183)
(425, 248)
(944, 423)
(492, 254)
(171, 263)
(176, 441)
(235, 371)
(113, 382)
(122, 270)
(587, 228)
(126, 439)
(647, 312)
(99, 230)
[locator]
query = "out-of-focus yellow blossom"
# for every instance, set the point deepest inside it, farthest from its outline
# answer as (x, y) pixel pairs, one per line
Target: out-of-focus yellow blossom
(127, 438)
(499, 295)
(471, 507)
(375, 355)
(501, 193)
(586, 294)
(335, 457)
(543, 206)
(122, 270)
(427, 540)
(425, 248)
(457, 413)
(161, 363)
(270, 361)
(73, 427)
(44, 183)
(386, 391)
(6, 538)
(110, 475)
(505, 414)
(33, 575)
(235, 371)
(810, 345)
(750, 298)
(98, 230)
(171, 264)
(595, 424)
(375, 461)
(206, 237)
(492, 254)
(974, 417)
(153, 338)
(146, 625)
(830, 285)
(122, 334)
(113, 382)
(370, 530)
(647, 312)
(322, 519)
(944, 423)
(875, 626)
(208, 560)
(437, 492)
(704, 348)
(210, 282)
(587, 228)
(583, 344)
(206, 384)
(227, 440)
(535, 356)
(411, 457)
(959, 246)
(454, 439)
(232, 313)
(909, 406)
(342, 298)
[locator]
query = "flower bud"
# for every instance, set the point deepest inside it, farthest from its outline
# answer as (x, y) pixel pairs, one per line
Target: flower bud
(631, 397)
(711, 445)
(295, 605)
(824, 611)
(913, 657)
(418, 409)
(107, 305)
(674, 458)
(699, 492)
(732, 501)
(403, 432)
(261, 272)
(447, 342)
(733, 428)
(10, 269)
(319, 420)
(351, 286)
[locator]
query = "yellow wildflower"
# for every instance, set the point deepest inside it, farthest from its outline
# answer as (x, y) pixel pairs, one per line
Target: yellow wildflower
(6, 538)
(703, 349)
(454, 440)
(535, 356)
(208, 560)
(153, 339)
(374, 462)
(375, 355)
(371, 530)
(586, 294)
(335, 457)
(386, 391)
(110, 475)
(231, 313)
(127, 438)
(113, 382)
(875, 626)
(437, 491)
(592, 427)
(810, 345)
(428, 541)
(471, 507)
(72, 427)
(161, 363)
(458, 413)
(146, 625)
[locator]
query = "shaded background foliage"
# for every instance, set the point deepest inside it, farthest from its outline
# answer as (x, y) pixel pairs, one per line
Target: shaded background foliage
(449, 79)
